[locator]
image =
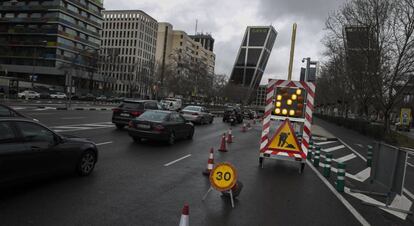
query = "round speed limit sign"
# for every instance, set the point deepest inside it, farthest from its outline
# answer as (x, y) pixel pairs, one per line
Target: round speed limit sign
(223, 176)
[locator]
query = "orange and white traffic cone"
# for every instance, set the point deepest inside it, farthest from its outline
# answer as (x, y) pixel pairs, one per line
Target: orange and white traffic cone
(185, 216)
(210, 163)
(223, 144)
(244, 127)
(229, 137)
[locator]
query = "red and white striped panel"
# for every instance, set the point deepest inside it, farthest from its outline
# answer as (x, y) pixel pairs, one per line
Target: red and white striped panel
(270, 91)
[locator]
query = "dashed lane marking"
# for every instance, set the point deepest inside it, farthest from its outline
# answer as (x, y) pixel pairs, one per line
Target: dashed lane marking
(359, 145)
(70, 118)
(103, 143)
(333, 148)
(177, 160)
(326, 142)
(407, 192)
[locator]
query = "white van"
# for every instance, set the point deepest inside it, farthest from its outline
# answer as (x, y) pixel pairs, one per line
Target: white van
(172, 104)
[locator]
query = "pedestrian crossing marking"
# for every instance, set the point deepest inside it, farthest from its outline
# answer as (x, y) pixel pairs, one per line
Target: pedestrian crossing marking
(331, 149)
(346, 158)
(325, 142)
(359, 145)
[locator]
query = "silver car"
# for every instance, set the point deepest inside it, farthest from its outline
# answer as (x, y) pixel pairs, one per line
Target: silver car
(197, 114)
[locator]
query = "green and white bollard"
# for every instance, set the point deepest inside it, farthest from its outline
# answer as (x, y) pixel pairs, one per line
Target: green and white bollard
(369, 156)
(340, 181)
(317, 157)
(327, 166)
(310, 150)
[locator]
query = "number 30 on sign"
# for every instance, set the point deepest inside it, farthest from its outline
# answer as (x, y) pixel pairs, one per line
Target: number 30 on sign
(223, 176)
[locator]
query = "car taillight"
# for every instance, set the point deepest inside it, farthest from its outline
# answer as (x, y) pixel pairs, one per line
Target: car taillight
(131, 124)
(116, 110)
(158, 128)
(136, 113)
(195, 114)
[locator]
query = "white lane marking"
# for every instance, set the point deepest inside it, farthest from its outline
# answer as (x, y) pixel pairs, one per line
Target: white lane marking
(69, 118)
(345, 202)
(79, 127)
(41, 113)
(355, 152)
(346, 158)
(410, 164)
(364, 174)
(326, 142)
(333, 148)
(103, 143)
(360, 145)
(177, 160)
(407, 192)
(400, 202)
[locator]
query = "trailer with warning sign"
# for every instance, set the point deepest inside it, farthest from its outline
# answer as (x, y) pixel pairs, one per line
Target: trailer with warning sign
(289, 102)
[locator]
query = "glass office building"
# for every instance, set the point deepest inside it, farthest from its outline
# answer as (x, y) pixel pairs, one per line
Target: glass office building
(41, 41)
(253, 55)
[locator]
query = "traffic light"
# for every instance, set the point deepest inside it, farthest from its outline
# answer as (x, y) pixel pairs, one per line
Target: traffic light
(289, 102)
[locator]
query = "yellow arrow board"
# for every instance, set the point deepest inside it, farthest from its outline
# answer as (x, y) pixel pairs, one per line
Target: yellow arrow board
(285, 139)
(223, 176)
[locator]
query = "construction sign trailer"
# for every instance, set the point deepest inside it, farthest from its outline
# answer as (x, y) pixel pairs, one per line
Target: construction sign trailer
(292, 103)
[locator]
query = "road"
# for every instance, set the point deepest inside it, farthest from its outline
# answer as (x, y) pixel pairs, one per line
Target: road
(132, 185)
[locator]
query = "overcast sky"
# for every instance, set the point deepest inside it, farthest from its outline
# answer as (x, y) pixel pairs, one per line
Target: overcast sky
(226, 20)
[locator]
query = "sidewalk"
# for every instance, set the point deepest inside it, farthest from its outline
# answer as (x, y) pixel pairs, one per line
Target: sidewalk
(318, 131)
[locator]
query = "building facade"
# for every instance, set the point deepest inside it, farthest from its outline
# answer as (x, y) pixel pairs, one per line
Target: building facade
(129, 39)
(174, 46)
(206, 40)
(50, 41)
(253, 55)
(260, 96)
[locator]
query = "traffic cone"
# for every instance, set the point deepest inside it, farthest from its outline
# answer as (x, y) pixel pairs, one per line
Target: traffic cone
(223, 144)
(210, 163)
(244, 128)
(229, 137)
(185, 216)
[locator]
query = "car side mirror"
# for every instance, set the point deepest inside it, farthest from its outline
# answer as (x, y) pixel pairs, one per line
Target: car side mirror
(57, 139)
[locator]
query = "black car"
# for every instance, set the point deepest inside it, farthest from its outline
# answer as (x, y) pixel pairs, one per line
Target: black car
(6, 111)
(29, 149)
(130, 109)
(160, 125)
(233, 111)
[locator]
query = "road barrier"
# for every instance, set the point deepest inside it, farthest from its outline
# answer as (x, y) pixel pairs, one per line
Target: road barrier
(317, 157)
(223, 143)
(210, 163)
(327, 165)
(340, 181)
(185, 216)
(369, 156)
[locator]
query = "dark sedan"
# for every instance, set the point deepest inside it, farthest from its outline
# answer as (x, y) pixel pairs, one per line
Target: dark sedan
(160, 125)
(29, 149)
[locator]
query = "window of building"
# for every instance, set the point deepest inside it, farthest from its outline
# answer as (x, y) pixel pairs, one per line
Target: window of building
(72, 8)
(32, 3)
(9, 15)
(36, 15)
(22, 15)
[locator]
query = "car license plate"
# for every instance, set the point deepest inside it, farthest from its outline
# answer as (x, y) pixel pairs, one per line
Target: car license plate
(125, 114)
(143, 126)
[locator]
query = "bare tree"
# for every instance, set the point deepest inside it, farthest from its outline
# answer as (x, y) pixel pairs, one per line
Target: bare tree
(386, 52)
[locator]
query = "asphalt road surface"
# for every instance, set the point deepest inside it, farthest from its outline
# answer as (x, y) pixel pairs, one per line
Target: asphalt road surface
(144, 184)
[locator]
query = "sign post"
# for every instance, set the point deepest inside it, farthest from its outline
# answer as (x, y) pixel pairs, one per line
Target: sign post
(223, 178)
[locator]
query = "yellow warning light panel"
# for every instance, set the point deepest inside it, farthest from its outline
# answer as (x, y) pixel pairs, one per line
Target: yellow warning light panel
(289, 102)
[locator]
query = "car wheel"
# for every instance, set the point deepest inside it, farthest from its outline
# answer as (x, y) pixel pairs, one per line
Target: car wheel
(119, 126)
(137, 139)
(86, 163)
(171, 139)
(224, 120)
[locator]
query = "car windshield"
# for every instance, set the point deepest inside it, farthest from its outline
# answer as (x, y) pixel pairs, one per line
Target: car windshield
(192, 108)
(132, 105)
(154, 116)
